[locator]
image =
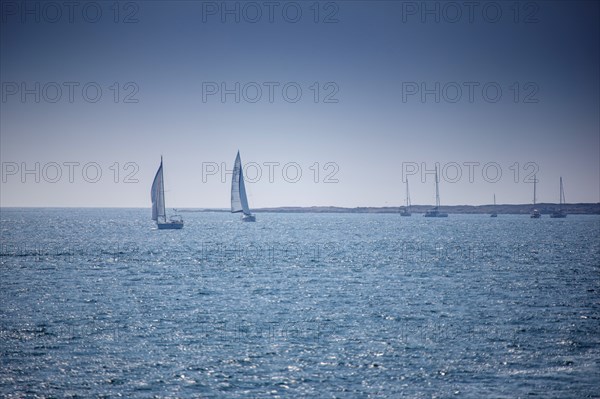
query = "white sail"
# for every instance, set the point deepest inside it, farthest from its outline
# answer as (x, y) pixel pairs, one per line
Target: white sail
(157, 194)
(239, 201)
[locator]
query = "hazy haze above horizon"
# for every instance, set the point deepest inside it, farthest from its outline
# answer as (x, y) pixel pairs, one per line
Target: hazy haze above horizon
(329, 103)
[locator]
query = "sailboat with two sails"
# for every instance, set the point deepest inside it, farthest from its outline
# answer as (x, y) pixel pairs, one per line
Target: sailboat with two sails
(239, 200)
(157, 195)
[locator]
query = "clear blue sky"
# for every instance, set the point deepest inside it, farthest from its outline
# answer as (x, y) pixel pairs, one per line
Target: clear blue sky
(371, 61)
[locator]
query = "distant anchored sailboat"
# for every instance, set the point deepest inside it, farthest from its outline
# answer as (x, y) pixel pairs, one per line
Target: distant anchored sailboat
(157, 194)
(535, 214)
(435, 212)
(494, 214)
(560, 212)
(406, 210)
(239, 200)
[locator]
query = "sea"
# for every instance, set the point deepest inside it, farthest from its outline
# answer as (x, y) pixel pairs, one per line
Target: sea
(98, 303)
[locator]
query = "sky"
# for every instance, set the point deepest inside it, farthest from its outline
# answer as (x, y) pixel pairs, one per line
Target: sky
(330, 103)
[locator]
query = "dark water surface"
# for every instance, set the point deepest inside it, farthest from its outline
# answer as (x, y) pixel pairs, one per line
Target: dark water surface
(97, 302)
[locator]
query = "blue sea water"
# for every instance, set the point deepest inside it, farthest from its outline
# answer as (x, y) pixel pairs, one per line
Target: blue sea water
(98, 303)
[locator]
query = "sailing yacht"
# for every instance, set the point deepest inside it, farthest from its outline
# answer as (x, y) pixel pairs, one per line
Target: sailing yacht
(435, 213)
(157, 194)
(239, 200)
(406, 210)
(494, 214)
(560, 212)
(535, 214)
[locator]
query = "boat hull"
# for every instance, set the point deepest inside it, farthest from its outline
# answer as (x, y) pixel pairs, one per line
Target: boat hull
(438, 215)
(558, 215)
(248, 218)
(434, 213)
(170, 226)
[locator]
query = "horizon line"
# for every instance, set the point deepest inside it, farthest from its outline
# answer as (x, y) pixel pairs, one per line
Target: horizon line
(299, 206)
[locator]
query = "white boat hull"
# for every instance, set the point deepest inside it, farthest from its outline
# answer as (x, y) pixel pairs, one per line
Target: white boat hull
(248, 218)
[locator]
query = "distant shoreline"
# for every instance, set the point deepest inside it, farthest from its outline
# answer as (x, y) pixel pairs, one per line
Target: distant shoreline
(511, 209)
(518, 209)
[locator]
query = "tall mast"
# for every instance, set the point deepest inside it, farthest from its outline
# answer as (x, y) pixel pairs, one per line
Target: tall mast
(562, 193)
(407, 196)
(437, 190)
(162, 180)
(534, 183)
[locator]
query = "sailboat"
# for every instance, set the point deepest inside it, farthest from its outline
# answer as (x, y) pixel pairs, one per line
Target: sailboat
(157, 194)
(535, 214)
(435, 213)
(560, 212)
(406, 210)
(239, 200)
(494, 214)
